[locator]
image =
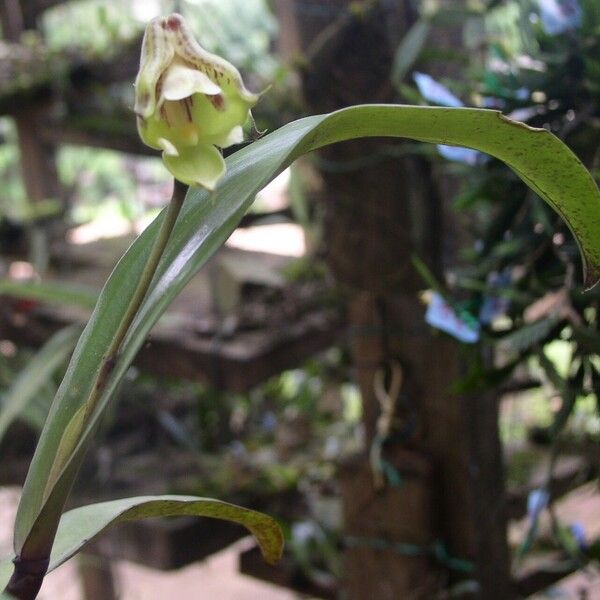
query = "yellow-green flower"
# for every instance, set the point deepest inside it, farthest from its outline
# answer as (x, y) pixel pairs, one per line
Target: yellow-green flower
(188, 101)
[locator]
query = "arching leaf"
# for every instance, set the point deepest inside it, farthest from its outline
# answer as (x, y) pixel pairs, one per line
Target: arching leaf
(81, 525)
(206, 221)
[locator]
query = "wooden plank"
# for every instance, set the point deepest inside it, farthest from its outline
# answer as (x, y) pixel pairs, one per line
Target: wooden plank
(194, 342)
(16, 448)
(166, 544)
(38, 165)
(583, 584)
(285, 574)
(37, 157)
(392, 515)
(236, 364)
(543, 576)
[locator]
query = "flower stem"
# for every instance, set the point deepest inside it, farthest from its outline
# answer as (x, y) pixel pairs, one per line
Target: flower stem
(146, 277)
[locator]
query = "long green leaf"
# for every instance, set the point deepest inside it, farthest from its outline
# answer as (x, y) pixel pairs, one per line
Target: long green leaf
(81, 525)
(538, 157)
(35, 375)
(529, 335)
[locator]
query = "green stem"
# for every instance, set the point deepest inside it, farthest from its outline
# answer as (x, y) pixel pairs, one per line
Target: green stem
(146, 277)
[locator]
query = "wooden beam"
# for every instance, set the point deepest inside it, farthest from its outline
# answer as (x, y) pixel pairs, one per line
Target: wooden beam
(37, 158)
(540, 578)
(64, 132)
(97, 578)
(286, 574)
(38, 166)
(79, 77)
(234, 363)
(11, 18)
(166, 544)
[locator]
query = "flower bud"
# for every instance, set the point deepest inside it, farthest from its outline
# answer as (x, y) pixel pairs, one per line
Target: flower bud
(188, 101)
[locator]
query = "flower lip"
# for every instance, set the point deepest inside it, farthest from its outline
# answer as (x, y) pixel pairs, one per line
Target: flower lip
(181, 81)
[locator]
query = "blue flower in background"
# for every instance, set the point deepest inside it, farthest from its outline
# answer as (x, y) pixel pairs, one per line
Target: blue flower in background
(523, 114)
(578, 531)
(559, 16)
(434, 91)
(522, 93)
(238, 449)
(537, 501)
(491, 102)
(269, 421)
(495, 306)
(467, 156)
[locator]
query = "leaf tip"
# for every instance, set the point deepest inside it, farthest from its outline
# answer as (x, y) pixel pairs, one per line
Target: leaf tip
(271, 542)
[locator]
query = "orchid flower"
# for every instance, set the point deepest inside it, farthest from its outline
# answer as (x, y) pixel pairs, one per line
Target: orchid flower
(188, 102)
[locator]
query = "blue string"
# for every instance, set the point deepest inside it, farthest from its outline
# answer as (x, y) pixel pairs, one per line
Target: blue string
(436, 550)
(393, 476)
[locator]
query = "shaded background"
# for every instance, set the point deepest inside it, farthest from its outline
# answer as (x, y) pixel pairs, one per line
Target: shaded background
(367, 264)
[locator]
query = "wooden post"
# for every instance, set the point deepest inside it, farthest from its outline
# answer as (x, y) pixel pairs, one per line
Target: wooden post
(97, 579)
(413, 536)
(38, 163)
(387, 527)
(11, 17)
(33, 8)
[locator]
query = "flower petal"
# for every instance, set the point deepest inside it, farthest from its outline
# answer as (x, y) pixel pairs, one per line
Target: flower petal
(217, 120)
(181, 82)
(157, 53)
(234, 136)
(167, 147)
(218, 69)
(197, 165)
